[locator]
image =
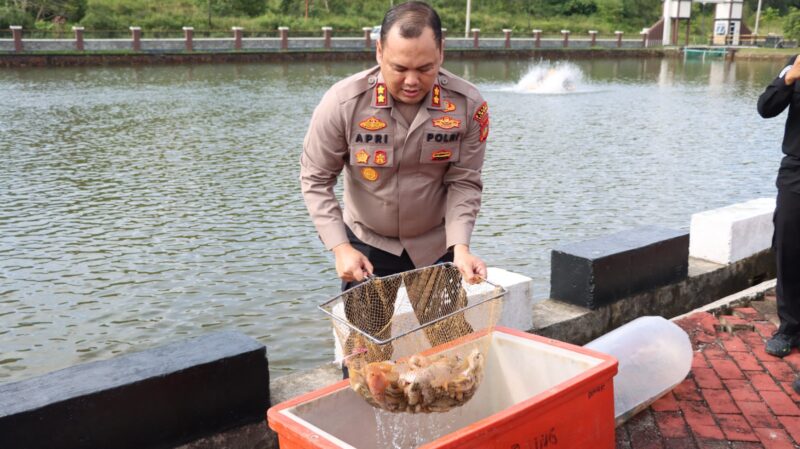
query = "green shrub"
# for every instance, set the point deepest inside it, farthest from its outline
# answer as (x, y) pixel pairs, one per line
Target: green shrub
(12, 16)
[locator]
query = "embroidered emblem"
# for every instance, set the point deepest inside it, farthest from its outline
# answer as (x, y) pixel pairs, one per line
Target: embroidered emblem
(362, 157)
(446, 122)
(372, 124)
(369, 173)
(449, 107)
(380, 157)
(441, 155)
(436, 98)
(484, 131)
(482, 114)
(380, 95)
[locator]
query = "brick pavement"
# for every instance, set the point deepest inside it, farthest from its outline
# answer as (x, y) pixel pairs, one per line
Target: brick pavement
(736, 395)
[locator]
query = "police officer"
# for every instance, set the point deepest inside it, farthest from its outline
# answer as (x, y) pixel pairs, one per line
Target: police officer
(782, 92)
(410, 138)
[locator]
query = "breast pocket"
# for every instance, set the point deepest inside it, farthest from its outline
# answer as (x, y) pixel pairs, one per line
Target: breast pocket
(372, 156)
(440, 147)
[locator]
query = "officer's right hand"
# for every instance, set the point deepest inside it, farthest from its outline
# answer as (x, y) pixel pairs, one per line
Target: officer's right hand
(794, 73)
(351, 264)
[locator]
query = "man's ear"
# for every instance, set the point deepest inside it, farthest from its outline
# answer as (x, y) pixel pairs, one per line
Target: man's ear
(378, 51)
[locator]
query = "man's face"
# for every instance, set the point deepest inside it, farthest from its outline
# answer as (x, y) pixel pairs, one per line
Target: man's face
(409, 66)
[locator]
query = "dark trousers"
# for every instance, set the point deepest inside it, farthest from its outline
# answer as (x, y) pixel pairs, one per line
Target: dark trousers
(786, 245)
(384, 263)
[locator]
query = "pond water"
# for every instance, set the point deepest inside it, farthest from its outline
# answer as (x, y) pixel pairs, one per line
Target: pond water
(149, 204)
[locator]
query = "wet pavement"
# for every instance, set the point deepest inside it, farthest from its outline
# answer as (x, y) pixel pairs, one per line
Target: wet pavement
(736, 395)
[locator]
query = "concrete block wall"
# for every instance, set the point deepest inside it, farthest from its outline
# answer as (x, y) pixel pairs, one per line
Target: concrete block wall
(731, 233)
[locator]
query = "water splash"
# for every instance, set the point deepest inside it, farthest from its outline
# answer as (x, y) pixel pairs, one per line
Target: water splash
(548, 78)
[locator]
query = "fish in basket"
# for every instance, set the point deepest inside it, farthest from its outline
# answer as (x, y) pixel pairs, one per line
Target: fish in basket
(397, 334)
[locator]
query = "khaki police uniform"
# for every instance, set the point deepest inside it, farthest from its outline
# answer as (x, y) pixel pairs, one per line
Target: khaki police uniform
(407, 186)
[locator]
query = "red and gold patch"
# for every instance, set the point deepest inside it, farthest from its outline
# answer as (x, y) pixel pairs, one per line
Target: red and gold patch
(369, 173)
(436, 98)
(484, 131)
(372, 124)
(381, 96)
(449, 107)
(441, 155)
(362, 157)
(482, 114)
(446, 122)
(380, 157)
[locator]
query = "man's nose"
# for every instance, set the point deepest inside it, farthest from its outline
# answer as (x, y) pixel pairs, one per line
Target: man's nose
(412, 78)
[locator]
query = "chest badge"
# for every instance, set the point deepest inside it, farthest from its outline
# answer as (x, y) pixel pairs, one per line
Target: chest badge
(449, 107)
(380, 157)
(446, 122)
(369, 173)
(372, 124)
(362, 157)
(441, 155)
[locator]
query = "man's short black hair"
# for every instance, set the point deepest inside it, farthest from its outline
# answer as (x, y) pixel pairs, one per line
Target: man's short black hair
(412, 18)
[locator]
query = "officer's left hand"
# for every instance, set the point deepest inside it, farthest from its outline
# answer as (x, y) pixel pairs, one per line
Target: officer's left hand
(472, 268)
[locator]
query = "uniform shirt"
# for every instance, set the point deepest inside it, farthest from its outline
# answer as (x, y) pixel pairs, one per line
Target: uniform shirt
(407, 186)
(772, 102)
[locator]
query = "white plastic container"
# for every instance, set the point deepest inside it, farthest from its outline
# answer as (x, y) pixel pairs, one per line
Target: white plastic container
(654, 355)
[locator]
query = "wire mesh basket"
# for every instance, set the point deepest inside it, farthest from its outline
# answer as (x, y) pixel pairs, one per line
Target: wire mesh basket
(410, 340)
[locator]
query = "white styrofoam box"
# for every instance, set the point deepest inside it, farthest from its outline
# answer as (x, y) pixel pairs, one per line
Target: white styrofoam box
(516, 308)
(732, 233)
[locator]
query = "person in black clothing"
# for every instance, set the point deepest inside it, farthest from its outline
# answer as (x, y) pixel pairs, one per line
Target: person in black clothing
(784, 92)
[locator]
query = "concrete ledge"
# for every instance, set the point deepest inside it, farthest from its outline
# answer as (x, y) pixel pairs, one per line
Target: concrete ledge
(156, 398)
(706, 283)
(597, 272)
(732, 233)
(518, 301)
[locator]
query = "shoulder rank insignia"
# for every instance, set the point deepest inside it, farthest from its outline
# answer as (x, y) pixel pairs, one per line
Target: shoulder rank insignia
(381, 99)
(380, 157)
(482, 114)
(446, 122)
(372, 124)
(441, 155)
(436, 97)
(362, 157)
(449, 107)
(369, 173)
(484, 131)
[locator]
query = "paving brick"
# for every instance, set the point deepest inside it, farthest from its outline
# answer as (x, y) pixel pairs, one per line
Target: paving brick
(732, 343)
(666, 403)
(696, 413)
(699, 360)
(700, 339)
(719, 401)
(708, 432)
(746, 445)
(780, 403)
(707, 378)
(746, 361)
(751, 339)
(787, 388)
(747, 313)
(765, 328)
(774, 439)
(714, 352)
(736, 428)
(733, 323)
(687, 391)
(741, 390)
(700, 321)
(793, 359)
(757, 414)
(726, 369)
(671, 424)
(780, 370)
(792, 426)
(762, 381)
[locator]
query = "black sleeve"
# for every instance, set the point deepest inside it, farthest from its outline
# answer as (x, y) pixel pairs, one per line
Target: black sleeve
(777, 96)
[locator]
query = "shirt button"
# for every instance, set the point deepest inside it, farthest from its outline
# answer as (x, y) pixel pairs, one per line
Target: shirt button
(443, 81)
(372, 80)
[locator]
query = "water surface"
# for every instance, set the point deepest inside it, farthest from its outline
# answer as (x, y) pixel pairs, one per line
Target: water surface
(146, 205)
